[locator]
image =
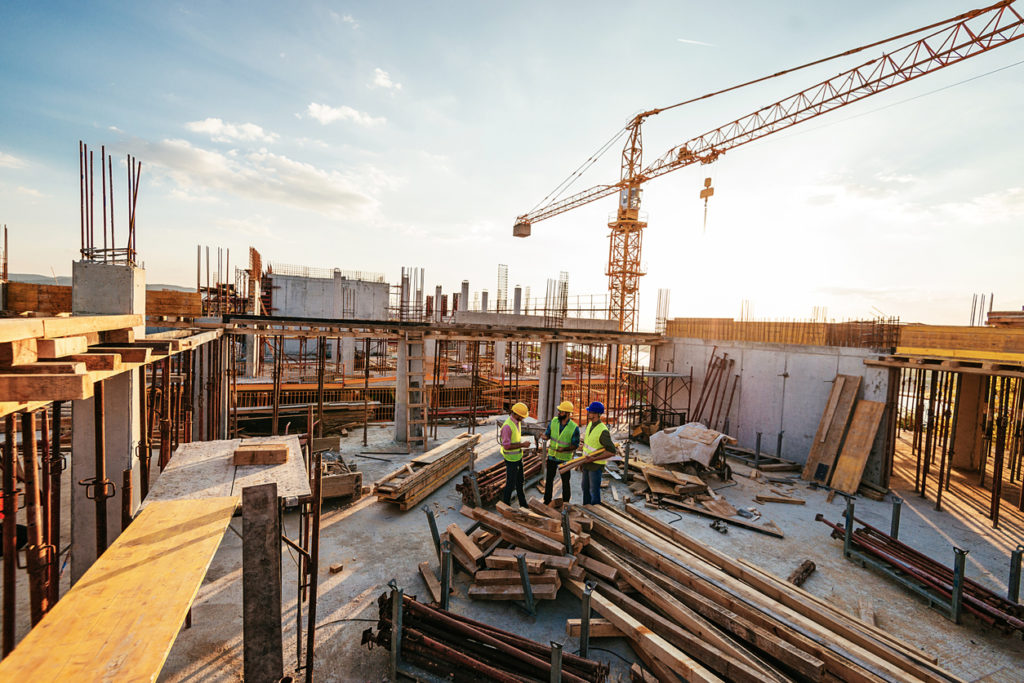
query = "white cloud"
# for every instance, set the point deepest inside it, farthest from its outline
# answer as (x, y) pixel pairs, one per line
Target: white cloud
(263, 176)
(9, 161)
(694, 42)
(381, 79)
(326, 114)
(221, 131)
(31, 192)
(348, 19)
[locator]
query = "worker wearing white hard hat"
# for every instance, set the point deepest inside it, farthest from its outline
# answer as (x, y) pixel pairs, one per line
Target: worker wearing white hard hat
(563, 436)
(512, 446)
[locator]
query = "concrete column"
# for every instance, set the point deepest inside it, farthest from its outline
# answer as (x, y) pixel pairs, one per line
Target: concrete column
(969, 423)
(464, 296)
(100, 288)
(483, 300)
(552, 363)
(437, 303)
(407, 349)
(500, 349)
(517, 301)
(348, 354)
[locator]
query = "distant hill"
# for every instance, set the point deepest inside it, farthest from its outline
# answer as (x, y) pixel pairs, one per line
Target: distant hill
(65, 280)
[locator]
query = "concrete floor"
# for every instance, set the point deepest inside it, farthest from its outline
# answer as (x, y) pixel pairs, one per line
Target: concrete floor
(376, 542)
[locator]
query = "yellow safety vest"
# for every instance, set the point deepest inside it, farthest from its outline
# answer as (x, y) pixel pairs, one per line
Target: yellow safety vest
(561, 439)
(516, 455)
(592, 440)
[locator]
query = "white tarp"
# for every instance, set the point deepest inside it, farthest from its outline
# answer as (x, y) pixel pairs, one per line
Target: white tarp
(692, 441)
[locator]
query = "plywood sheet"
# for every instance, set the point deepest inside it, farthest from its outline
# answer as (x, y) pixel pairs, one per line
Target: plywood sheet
(832, 428)
(859, 439)
(156, 567)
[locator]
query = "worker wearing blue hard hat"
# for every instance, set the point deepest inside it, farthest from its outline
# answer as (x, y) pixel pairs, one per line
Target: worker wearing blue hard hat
(596, 439)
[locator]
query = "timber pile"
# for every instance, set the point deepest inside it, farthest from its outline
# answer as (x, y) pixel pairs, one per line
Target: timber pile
(491, 480)
(341, 480)
(420, 477)
(454, 646)
(700, 615)
(337, 415)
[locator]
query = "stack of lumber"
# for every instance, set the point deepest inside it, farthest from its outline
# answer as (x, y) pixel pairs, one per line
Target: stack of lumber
(23, 297)
(174, 303)
(420, 477)
(491, 480)
(456, 647)
(700, 615)
(337, 415)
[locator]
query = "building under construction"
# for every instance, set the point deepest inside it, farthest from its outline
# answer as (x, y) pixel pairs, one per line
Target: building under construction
(287, 472)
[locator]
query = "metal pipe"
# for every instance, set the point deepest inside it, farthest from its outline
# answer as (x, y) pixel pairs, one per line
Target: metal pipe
(10, 532)
(100, 480)
(1013, 585)
(144, 447)
(314, 565)
(434, 534)
(778, 445)
(757, 450)
(566, 536)
(588, 589)
(396, 630)
(848, 535)
(37, 550)
(56, 469)
(894, 524)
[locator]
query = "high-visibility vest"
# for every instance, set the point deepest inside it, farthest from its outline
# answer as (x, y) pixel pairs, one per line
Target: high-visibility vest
(561, 438)
(592, 440)
(516, 455)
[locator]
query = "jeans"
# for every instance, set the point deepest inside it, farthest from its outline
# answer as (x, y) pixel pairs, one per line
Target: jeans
(592, 486)
(549, 481)
(513, 479)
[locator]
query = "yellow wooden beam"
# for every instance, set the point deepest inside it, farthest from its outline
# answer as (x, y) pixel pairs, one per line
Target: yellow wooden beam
(121, 618)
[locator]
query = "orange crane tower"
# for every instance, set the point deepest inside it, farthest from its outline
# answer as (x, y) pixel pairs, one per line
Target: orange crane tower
(960, 37)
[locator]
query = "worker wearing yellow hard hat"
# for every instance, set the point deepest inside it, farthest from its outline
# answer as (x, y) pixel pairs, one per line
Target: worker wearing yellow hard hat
(563, 436)
(512, 446)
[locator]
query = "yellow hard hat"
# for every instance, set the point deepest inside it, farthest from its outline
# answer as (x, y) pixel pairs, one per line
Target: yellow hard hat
(565, 407)
(521, 410)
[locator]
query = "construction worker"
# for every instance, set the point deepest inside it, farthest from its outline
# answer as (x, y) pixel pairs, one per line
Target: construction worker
(597, 438)
(563, 437)
(512, 446)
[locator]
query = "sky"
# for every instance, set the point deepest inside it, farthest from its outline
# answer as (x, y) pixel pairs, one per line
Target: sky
(371, 136)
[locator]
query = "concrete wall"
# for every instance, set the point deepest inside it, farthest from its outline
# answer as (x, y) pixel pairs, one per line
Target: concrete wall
(338, 297)
(781, 388)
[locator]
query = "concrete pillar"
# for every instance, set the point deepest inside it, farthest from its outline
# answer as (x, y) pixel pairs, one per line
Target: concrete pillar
(437, 303)
(464, 296)
(500, 349)
(251, 344)
(348, 354)
(517, 300)
(552, 364)
(483, 300)
(100, 288)
(969, 423)
(407, 349)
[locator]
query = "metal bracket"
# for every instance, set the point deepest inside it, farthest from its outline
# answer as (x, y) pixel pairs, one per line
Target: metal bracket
(433, 530)
(98, 488)
(1013, 586)
(566, 536)
(959, 569)
(446, 572)
(588, 588)
(894, 525)
(556, 662)
(524, 576)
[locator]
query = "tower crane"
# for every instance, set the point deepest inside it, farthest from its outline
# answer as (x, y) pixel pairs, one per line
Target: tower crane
(955, 40)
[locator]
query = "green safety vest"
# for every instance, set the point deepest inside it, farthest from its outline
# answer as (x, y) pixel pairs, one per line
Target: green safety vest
(561, 439)
(592, 440)
(516, 455)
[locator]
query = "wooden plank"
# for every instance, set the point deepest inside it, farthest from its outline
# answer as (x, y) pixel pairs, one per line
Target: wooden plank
(291, 476)
(129, 354)
(18, 352)
(430, 578)
(12, 329)
(51, 368)
(459, 538)
(762, 529)
(533, 566)
(599, 569)
(507, 577)
(74, 325)
(527, 518)
(761, 498)
(121, 618)
(831, 429)
(263, 647)
(99, 362)
(658, 485)
(248, 453)
(45, 387)
(599, 628)
(551, 561)
(857, 448)
(541, 592)
(659, 648)
(515, 533)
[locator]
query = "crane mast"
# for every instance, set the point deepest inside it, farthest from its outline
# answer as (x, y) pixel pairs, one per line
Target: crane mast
(966, 35)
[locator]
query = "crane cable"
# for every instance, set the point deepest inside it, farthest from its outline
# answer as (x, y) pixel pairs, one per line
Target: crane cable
(576, 174)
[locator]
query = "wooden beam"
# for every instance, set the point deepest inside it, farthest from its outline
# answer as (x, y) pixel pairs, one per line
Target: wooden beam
(457, 536)
(540, 592)
(263, 646)
(599, 628)
(81, 324)
(99, 361)
(430, 578)
(511, 577)
(18, 352)
(515, 533)
(50, 368)
(129, 354)
(45, 387)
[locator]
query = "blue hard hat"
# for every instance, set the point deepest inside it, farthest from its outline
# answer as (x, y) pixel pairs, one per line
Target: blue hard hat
(596, 407)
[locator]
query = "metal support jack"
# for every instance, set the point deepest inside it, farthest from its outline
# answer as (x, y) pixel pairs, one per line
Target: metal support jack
(1013, 586)
(446, 573)
(588, 589)
(556, 662)
(433, 530)
(524, 576)
(959, 567)
(566, 536)
(475, 485)
(397, 597)
(894, 525)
